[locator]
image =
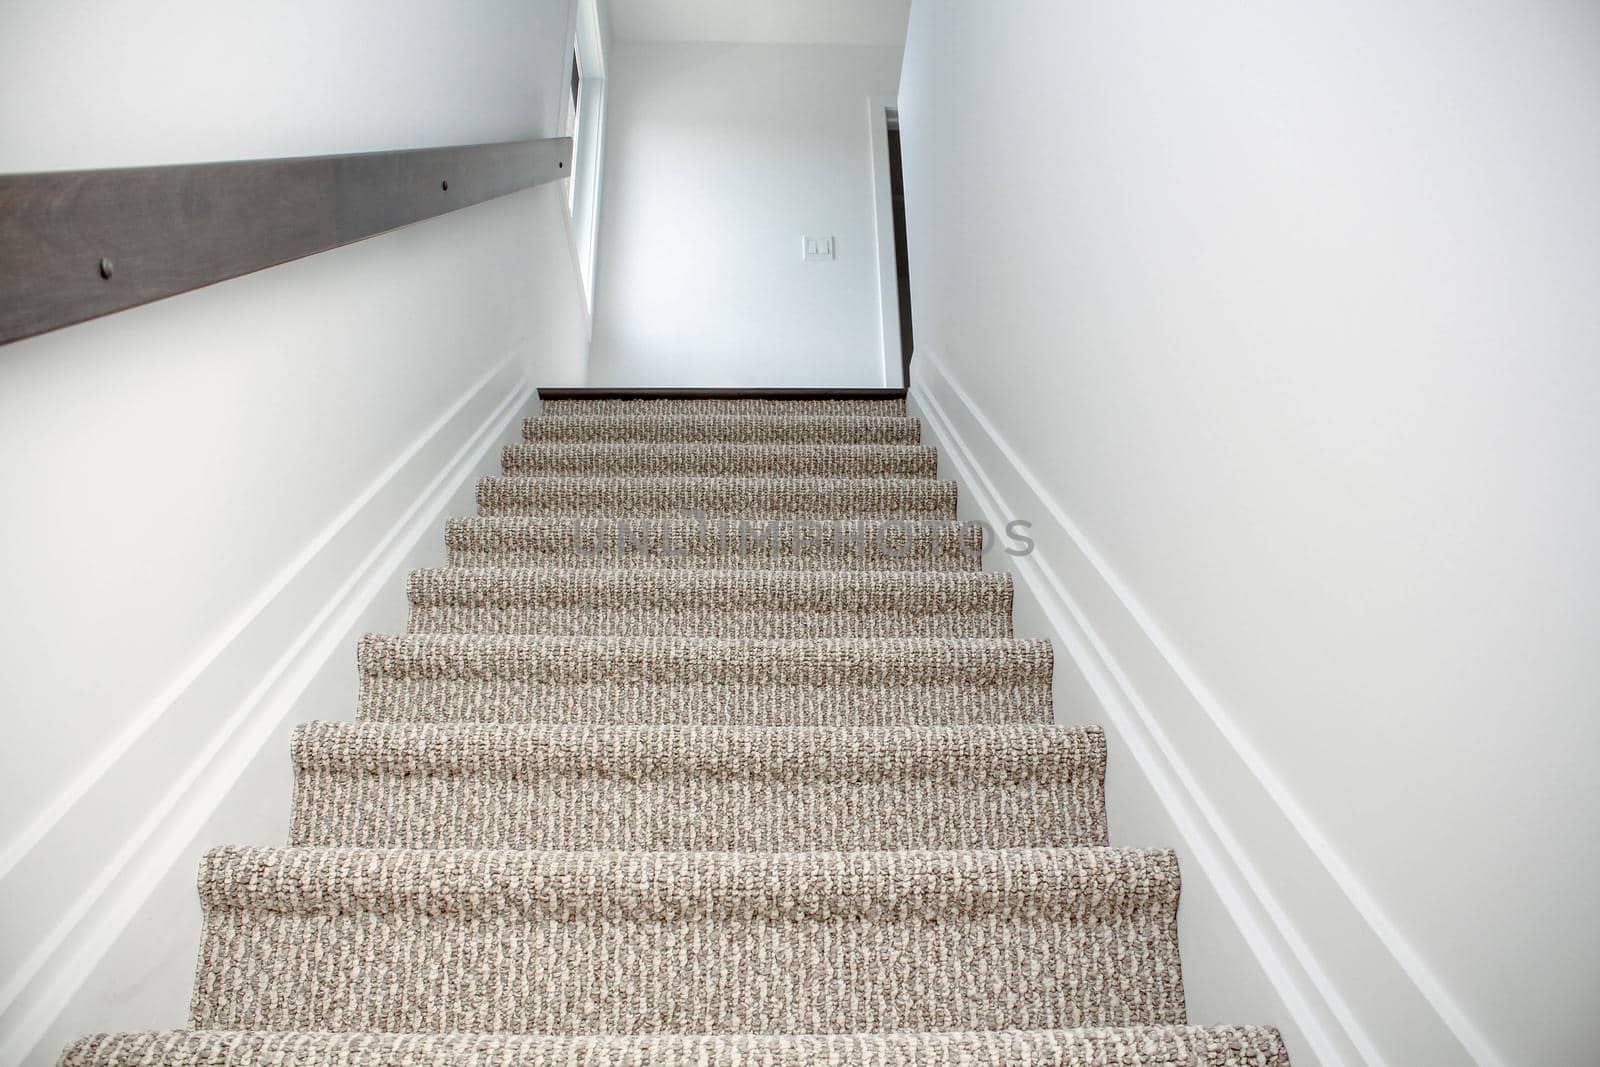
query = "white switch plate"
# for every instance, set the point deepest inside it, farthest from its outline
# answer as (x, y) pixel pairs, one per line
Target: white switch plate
(815, 249)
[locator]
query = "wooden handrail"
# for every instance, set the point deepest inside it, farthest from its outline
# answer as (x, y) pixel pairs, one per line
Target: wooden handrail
(75, 245)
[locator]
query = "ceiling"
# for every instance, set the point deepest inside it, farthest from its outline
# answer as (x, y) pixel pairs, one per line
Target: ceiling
(877, 22)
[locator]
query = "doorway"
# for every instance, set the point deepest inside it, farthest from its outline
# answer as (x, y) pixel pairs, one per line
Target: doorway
(902, 260)
(894, 262)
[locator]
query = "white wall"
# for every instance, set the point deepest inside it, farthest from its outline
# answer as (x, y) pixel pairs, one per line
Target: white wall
(1279, 321)
(207, 497)
(719, 158)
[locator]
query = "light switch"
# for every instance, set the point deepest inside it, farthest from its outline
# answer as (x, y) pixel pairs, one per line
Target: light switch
(815, 249)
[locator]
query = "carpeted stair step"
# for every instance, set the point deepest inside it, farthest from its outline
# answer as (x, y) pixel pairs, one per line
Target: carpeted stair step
(1139, 1046)
(789, 544)
(753, 429)
(571, 459)
(886, 407)
(737, 498)
(710, 746)
(643, 602)
(708, 788)
(409, 941)
(928, 681)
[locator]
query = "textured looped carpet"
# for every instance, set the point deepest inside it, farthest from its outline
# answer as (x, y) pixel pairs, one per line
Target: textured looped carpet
(710, 745)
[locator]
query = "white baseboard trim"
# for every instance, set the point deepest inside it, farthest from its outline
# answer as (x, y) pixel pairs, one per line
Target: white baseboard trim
(1356, 991)
(71, 881)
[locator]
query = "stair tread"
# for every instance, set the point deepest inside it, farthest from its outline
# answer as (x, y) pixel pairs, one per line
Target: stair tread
(720, 496)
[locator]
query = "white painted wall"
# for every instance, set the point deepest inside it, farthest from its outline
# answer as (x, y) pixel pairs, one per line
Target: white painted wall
(719, 158)
(1280, 323)
(208, 497)
(881, 22)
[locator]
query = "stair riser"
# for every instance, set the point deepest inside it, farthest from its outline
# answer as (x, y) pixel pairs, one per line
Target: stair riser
(670, 788)
(530, 680)
(709, 603)
(622, 701)
(716, 498)
(779, 545)
(895, 408)
(460, 811)
(478, 553)
(752, 429)
(702, 621)
(689, 944)
(753, 976)
(678, 460)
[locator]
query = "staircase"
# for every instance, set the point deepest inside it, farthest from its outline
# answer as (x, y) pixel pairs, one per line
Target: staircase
(771, 783)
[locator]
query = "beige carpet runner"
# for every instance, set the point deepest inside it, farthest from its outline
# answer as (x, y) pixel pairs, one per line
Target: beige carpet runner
(710, 745)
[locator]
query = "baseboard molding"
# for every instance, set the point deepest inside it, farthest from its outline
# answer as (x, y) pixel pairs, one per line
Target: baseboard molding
(1356, 992)
(72, 881)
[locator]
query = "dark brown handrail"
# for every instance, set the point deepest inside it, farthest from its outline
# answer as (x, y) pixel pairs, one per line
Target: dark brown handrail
(75, 245)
